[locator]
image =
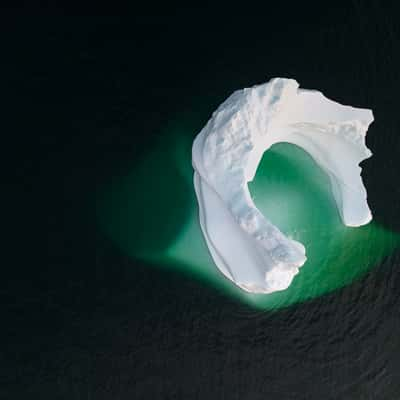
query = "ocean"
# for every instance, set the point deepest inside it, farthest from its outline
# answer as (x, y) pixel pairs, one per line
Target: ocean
(113, 294)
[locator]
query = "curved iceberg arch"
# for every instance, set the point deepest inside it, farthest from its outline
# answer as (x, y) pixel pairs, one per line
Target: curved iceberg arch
(244, 244)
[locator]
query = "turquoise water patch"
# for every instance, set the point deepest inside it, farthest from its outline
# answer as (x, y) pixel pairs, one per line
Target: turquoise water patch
(152, 215)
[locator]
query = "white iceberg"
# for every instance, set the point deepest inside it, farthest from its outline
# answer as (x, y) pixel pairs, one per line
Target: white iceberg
(245, 245)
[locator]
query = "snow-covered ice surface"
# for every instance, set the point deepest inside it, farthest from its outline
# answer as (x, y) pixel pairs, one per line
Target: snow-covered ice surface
(245, 245)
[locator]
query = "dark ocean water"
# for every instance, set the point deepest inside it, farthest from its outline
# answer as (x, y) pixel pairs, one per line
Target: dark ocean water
(88, 99)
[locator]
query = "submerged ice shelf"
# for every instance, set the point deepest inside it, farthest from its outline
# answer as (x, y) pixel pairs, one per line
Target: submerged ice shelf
(244, 244)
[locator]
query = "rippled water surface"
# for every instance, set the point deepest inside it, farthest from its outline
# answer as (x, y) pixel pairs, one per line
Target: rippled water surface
(114, 295)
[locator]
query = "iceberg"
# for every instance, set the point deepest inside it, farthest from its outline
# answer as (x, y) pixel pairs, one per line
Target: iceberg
(245, 246)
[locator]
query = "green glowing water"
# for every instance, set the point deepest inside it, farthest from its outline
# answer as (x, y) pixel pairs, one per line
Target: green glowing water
(152, 214)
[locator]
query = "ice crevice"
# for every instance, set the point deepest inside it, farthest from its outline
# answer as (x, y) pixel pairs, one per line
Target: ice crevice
(245, 246)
